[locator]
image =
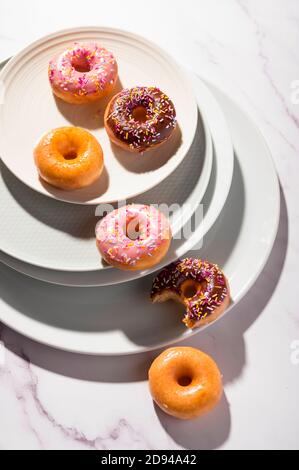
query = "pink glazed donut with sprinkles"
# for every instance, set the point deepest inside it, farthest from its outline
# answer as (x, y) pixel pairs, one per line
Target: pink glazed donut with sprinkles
(83, 73)
(133, 237)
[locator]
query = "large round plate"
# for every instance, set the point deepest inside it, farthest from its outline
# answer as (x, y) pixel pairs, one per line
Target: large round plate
(120, 319)
(69, 229)
(29, 109)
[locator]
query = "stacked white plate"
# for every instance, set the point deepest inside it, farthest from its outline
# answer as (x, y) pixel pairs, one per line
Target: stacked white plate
(48, 235)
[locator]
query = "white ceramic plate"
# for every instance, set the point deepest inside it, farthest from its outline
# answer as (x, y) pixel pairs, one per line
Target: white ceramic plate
(69, 230)
(120, 319)
(29, 109)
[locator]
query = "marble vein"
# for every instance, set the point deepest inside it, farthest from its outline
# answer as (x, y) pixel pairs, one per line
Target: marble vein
(260, 35)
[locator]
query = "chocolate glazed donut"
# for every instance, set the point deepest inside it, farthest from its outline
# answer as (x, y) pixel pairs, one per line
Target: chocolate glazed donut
(199, 285)
(140, 118)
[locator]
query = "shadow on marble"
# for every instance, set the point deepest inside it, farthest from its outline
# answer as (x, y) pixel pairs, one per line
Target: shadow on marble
(205, 433)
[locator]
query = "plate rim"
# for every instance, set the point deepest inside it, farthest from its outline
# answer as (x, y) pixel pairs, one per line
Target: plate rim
(9, 63)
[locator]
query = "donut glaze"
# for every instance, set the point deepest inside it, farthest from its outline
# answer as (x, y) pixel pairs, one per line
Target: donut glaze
(185, 382)
(69, 158)
(133, 237)
(83, 73)
(140, 118)
(199, 285)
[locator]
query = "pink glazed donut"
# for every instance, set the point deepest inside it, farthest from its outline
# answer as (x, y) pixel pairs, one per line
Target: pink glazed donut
(133, 237)
(83, 73)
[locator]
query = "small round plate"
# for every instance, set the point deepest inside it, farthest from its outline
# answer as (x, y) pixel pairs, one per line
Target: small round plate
(121, 319)
(29, 109)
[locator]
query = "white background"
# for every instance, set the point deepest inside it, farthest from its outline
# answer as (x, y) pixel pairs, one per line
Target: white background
(51, 399)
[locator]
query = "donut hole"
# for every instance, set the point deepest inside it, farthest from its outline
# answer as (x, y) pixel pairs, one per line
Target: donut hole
(184, 380)
(139, 114)
(81, 64)
(70, 155)
(132, 229)
(191, 288)
(67, 148)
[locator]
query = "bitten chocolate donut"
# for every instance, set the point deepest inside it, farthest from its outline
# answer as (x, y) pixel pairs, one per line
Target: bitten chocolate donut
(199, 285)
(140, 118)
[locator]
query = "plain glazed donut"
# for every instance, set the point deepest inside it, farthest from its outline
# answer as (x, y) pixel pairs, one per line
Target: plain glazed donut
(83, 73)
(185, 382)
(199, 285)
(140, 118)
(69, 158)
(133, 237)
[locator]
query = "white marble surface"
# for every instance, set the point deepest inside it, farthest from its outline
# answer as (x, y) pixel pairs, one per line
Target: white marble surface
(51, 399)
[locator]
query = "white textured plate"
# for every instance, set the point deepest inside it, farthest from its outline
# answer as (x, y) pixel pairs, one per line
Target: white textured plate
(29, 109)
(121, 319)
(55, 235)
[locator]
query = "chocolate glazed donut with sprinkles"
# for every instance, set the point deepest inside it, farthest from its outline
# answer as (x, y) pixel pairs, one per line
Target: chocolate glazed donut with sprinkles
(199, 285)
(140, 118)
